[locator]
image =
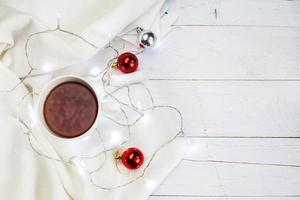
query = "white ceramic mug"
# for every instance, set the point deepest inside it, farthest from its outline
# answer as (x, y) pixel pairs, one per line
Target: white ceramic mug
(87, 142)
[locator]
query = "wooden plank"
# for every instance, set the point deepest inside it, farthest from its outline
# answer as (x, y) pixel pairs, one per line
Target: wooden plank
(225, 53)
(248, 151)
(236, 180)
(243, 12)
(222, 198)
(220, 179)
(198, 177)
(234, 108)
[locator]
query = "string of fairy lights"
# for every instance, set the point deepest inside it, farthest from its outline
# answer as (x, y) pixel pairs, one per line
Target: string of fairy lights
(147, 39)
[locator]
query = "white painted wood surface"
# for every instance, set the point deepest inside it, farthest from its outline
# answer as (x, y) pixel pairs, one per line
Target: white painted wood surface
(237, 167)
(233, 68)
(227, 53)
(263, 13)
(223, 198)
(234, 108)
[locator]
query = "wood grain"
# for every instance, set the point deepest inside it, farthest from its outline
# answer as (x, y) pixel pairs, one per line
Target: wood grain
(248, 151)
(233, 69)
(196, 176)
(170, 197)
(234, 108)
(243, 12)
(226, 53)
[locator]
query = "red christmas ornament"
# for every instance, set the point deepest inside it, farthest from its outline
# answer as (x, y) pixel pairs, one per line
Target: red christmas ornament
(132, 158)
(127, 62)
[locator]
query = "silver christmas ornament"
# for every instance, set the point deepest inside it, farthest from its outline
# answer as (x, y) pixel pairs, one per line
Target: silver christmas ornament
(146, 38)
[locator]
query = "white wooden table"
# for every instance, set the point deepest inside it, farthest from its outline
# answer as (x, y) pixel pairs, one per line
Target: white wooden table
(233, 68)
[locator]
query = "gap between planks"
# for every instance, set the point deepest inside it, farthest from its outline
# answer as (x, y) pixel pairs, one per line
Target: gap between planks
(240, 163)
(233, 196)
(231, 25)
(226, 80)
(242, 137)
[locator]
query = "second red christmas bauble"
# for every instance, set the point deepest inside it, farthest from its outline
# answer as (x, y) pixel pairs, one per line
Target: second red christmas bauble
(132, 158)
(127, 62)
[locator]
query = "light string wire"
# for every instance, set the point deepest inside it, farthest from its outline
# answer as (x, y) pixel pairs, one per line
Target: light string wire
(105, 77)
(31, 68)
